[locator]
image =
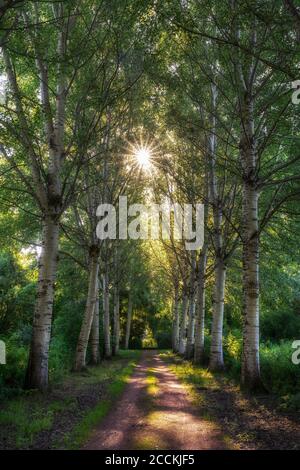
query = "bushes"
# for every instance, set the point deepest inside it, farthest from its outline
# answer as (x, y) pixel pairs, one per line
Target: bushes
(12, 373)
(17, 294)
(60, 358)
(164, 339)
(233, 352)
(17, 348)
(280, 324)
(279, 374)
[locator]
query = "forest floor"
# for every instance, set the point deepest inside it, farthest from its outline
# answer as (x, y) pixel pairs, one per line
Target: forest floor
(153, 401)
(63, 417)
(170, 404)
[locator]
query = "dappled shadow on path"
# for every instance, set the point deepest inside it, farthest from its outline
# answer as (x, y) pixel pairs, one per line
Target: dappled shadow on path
(165, 419)
(250, 422)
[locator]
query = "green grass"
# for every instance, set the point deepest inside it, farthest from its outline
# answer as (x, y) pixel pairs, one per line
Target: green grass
(27, 420)
(93, 417)
(188, 373)
(25, 417)
(152, 383)
(193, 377)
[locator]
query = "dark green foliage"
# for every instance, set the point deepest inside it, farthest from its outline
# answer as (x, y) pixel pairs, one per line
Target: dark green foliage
(16, 294)
(162, 80)
(12, 373)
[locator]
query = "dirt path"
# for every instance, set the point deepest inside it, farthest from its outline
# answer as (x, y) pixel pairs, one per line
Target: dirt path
(155, 412)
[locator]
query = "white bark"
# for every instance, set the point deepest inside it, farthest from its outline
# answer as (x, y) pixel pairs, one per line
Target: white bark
(128, 322)
(106, 316)
(245, 78)
(80, 356)
(116, 326)
(37, 371)
(176, 321)
(94, 336)
(250, 358)
(191, 318)
(48, 194)
(216, 360)
(200, 308)
(183, 323)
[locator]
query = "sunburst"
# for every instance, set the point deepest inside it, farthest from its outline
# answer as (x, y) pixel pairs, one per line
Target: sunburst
(142, 155)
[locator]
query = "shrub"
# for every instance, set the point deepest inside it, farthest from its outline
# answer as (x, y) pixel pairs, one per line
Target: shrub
(60, 358)
(13, 372)
(279, 374)
(233, 352)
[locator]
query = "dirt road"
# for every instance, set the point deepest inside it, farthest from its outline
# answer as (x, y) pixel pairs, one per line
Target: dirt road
(155, 412)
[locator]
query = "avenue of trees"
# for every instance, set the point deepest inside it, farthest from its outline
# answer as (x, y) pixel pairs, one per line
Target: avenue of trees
(206, 88)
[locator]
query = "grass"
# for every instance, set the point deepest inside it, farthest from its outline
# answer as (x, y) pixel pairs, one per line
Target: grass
(24, 418)
(152, 383)
(194, 378)
(148, 443)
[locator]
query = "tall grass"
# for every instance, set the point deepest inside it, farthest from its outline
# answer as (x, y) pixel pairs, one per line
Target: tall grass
(279, 375)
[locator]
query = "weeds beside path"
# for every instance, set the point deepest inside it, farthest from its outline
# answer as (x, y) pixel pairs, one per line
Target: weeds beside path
(64, 417)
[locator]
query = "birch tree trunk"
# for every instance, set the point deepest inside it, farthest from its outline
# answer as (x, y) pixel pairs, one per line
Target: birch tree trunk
(182, 331)
(175, 336)
(94, 336)
(37, 370)
(245, 77)
(49, 198)
(191, 318)
(116, 327)
(106, 315)
(80, 355)
(250, 358)
(200, 308)
(128, 322)
(49, 193)
(216, 360)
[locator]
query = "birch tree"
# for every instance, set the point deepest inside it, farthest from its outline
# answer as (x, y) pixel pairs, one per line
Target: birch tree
(260, 114)
(47, 177)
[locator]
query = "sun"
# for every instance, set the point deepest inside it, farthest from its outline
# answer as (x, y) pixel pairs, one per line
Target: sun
(143, 157)
(141, 154)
